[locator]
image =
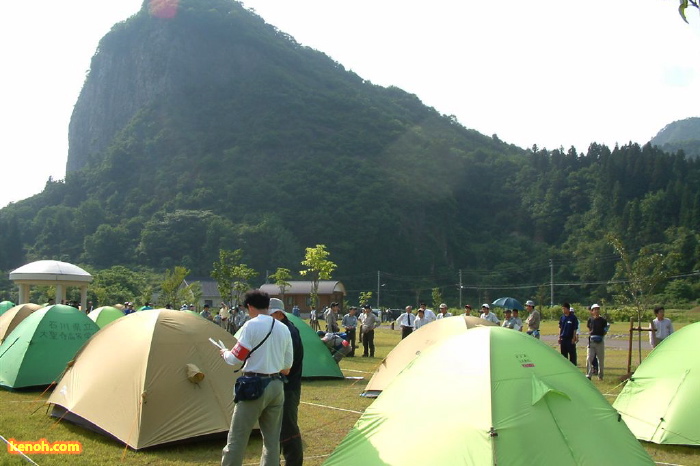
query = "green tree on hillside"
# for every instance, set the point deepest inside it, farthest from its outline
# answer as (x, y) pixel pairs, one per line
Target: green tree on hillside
(242, 275)
(318, 267)
(173, 289)
(637, 278)
(281, 277)
(116, 285)
(222, 272)
(365, 297)
(437, 297)
(108, 245)
(232, 277)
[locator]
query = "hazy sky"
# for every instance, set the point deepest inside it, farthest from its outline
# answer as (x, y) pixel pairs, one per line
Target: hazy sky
(542, 72)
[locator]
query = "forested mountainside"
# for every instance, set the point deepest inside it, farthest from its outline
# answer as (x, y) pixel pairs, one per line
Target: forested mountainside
(214, 130)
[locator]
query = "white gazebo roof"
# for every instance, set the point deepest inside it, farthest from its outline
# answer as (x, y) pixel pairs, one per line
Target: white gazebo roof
(49, 272)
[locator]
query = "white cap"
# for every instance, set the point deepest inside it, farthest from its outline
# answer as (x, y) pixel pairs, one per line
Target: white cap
(530, 302)
(276, 305)
(594, 306)
(486, 306)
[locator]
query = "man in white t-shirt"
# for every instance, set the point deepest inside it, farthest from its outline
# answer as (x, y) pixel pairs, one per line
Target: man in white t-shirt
(486, 314)
(270, 361)
(428, 314)
(407, 322)
(661, 327)
(420, 319)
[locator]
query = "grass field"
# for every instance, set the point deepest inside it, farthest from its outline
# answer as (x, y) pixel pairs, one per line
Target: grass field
(329, 409)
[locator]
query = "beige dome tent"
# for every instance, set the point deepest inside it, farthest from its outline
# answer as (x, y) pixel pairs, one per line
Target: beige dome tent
(13, 316)
(150, 378)
(408, 348)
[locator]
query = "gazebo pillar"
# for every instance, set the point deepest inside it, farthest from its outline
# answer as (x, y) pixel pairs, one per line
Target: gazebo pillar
(23, 293)
(83, 297)
(60, 294)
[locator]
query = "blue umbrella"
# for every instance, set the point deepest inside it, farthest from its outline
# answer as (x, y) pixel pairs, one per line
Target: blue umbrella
(508, 303)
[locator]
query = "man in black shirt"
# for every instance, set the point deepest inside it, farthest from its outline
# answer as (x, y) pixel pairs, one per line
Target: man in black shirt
(568, 325)
(290, 435)
(598, 327)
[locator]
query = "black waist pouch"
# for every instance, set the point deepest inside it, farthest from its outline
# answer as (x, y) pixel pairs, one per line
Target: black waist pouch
(249, 388)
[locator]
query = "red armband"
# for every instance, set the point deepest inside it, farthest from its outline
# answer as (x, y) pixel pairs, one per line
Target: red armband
(240, 352)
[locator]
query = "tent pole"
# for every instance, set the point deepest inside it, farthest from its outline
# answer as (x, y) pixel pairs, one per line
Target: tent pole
(629, 353)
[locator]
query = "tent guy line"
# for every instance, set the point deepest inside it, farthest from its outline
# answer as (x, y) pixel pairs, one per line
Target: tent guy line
(25, 401)
(17, 450)
(331, 407)
(357, 370)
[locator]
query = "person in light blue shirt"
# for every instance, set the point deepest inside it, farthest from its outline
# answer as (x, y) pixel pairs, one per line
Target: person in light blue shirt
(349, 323)
(508, 319)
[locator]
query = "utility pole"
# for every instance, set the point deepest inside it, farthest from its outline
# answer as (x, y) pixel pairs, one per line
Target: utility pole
(460, 288)
(379, 287)
(551, 283)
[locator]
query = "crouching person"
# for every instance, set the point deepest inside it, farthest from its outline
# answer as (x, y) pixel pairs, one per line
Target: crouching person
(338, 346)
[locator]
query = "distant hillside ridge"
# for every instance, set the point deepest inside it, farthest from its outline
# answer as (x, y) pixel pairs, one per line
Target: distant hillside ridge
(680, 135)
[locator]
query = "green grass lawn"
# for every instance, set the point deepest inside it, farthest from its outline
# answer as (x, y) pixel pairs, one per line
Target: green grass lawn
(329, 409)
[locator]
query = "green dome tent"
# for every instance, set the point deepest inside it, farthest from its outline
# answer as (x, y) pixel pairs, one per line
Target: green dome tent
(5, 305)
(105, 314)
(659, 403)
(39, 348)
(318, 361)
(489, 396)
(12, 318)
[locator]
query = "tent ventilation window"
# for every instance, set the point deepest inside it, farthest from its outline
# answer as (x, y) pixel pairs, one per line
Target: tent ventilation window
(194, 375)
